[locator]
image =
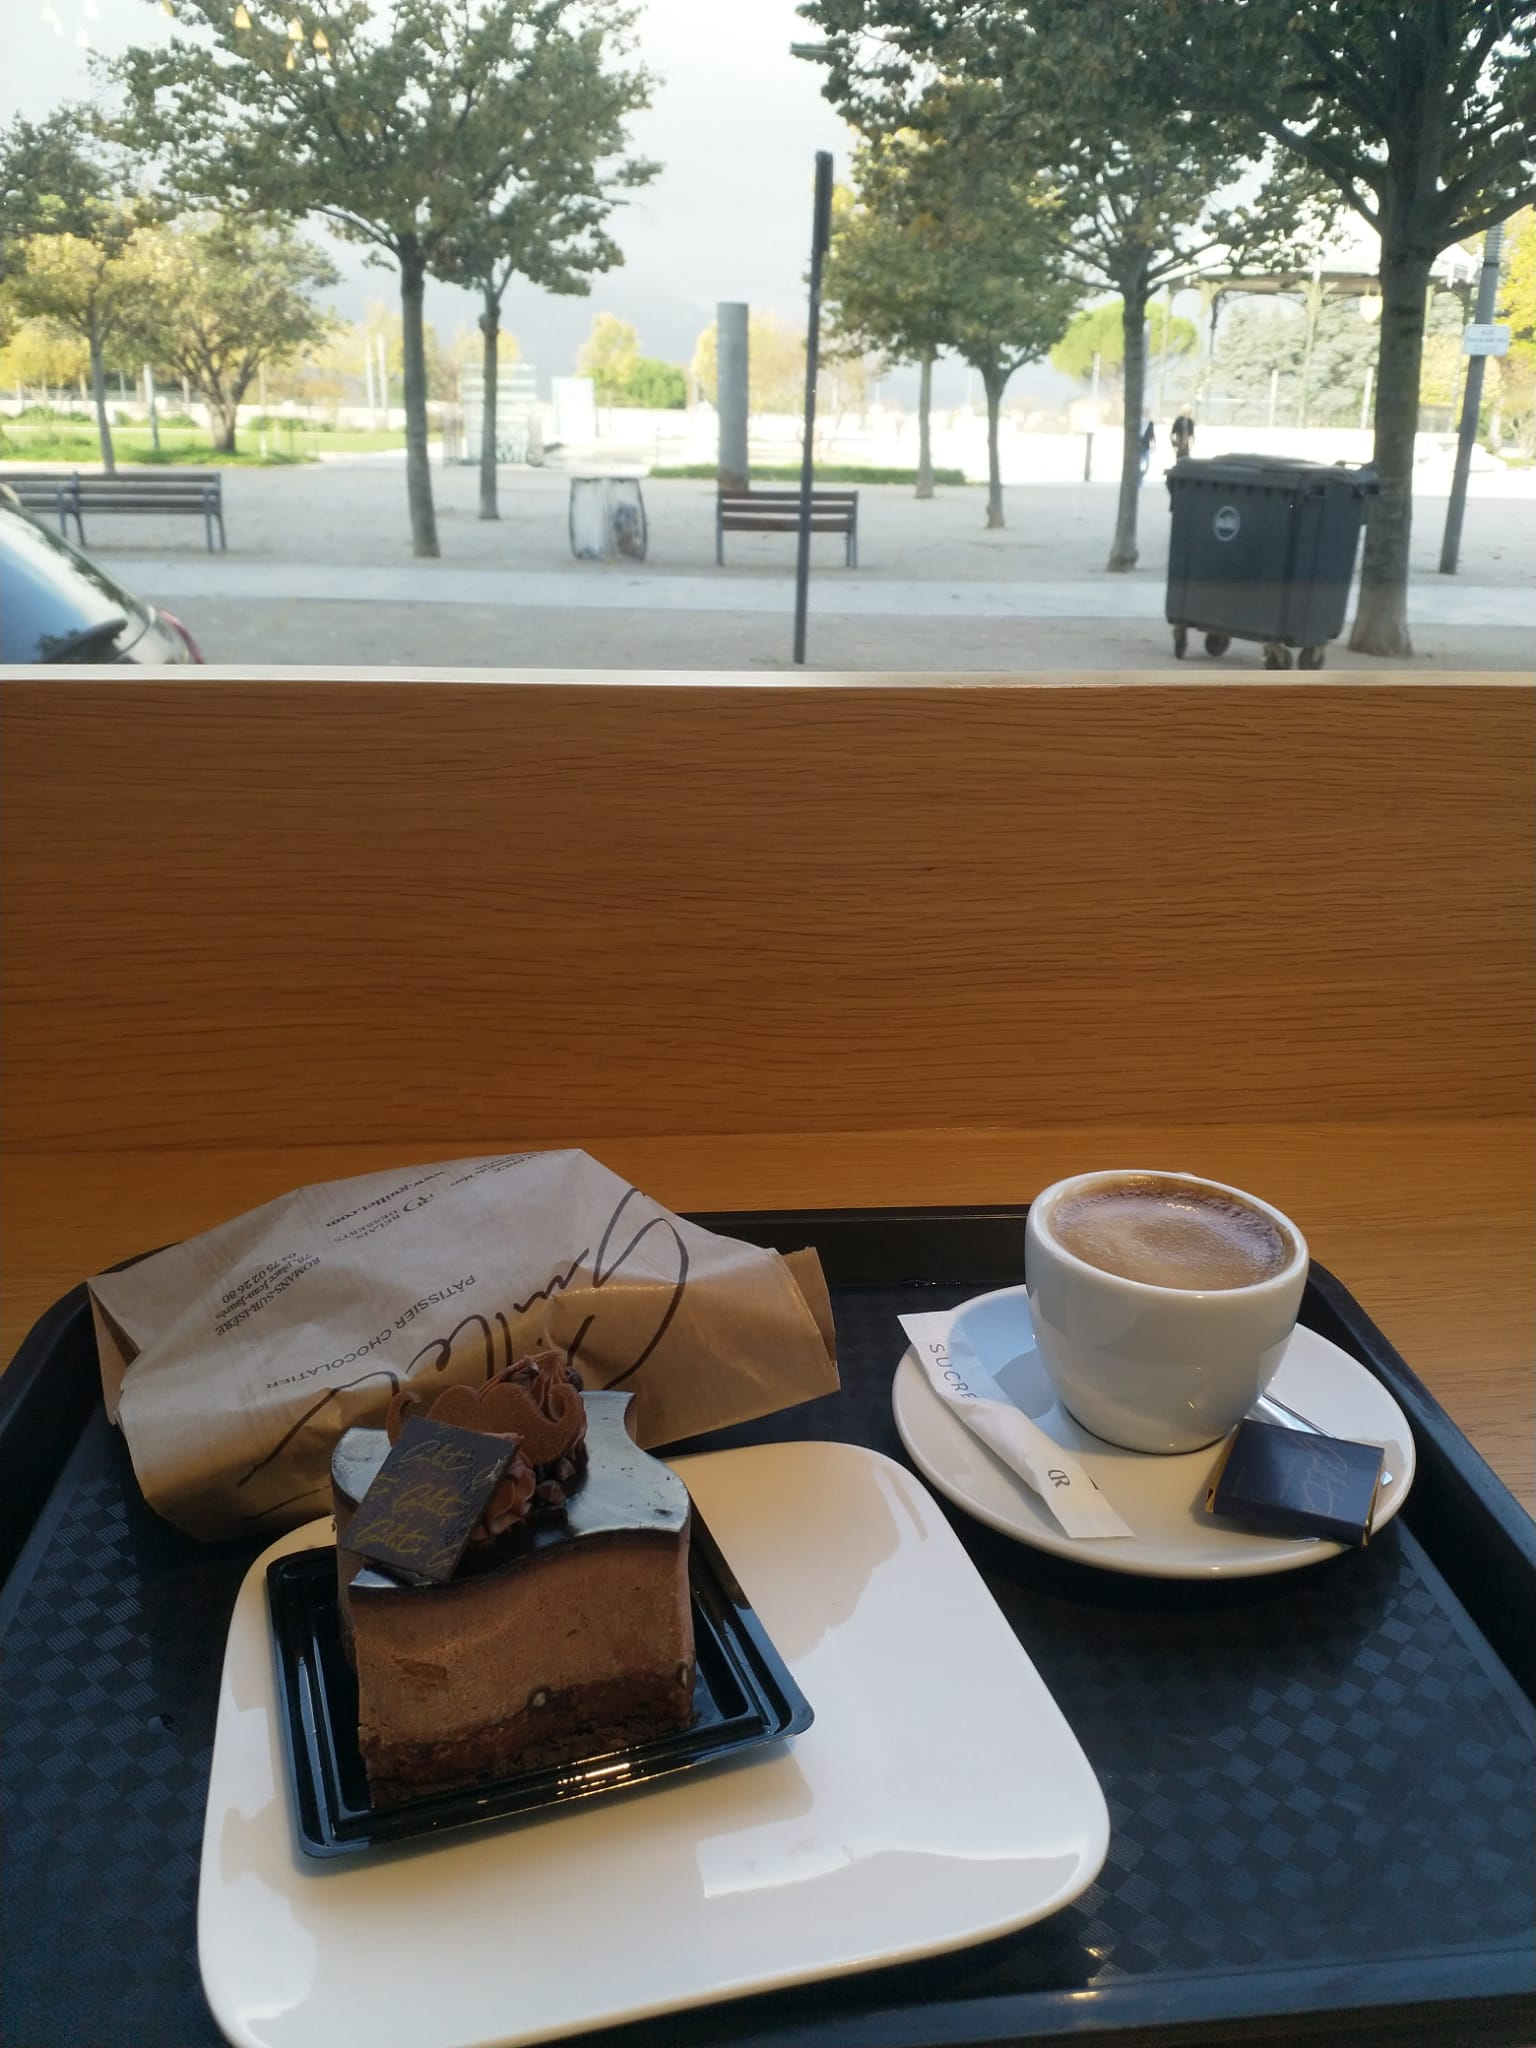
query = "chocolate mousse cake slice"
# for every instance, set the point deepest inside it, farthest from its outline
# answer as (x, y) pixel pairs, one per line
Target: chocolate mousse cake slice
(566, 1630)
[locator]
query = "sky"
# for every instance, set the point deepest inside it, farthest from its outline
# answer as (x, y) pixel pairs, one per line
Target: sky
(736, 123)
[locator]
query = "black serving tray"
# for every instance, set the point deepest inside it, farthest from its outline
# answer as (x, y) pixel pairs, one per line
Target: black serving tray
(1320, 1784)
(743, 1696)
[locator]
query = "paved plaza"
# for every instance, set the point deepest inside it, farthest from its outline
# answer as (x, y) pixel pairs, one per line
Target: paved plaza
(319, 571)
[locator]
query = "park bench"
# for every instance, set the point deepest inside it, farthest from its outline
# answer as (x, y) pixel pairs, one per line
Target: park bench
(71, 494)
(44, 490)
(779, 512)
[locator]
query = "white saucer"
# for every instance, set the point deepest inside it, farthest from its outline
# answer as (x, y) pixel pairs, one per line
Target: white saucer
(938, 1799)
(1163, 1498)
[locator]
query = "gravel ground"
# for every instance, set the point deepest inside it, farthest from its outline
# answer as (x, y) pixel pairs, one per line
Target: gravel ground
(927, 595)
(474, 636)
(354, 512)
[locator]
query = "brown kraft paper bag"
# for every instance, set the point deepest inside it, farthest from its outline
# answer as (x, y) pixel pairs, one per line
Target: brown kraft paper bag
(234, 1361)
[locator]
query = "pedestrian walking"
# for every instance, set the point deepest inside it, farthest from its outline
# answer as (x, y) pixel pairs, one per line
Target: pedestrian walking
(1148, 438)
(1182, 435)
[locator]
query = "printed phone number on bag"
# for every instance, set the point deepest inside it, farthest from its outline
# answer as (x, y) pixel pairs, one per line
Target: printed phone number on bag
(258, 1289)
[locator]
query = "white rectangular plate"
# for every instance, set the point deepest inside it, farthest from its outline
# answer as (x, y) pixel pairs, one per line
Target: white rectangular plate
(939, 1799)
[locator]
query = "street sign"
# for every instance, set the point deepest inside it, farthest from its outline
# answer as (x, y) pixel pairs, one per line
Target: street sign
(1485, 338)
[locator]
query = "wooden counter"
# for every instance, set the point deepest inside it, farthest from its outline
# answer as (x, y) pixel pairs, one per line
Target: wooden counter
(1427, 1224)
(900, 943)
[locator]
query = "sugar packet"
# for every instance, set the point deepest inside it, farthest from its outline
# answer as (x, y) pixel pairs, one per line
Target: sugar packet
(958, 1377)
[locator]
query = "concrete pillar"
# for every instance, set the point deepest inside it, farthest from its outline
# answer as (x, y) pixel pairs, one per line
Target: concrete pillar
(731, 393)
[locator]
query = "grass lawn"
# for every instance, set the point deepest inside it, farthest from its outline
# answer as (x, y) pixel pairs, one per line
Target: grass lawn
(75, 441)
(825, 473)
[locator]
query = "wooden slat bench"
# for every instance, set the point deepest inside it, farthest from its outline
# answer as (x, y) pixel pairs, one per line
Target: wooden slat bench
(71, 494)
(44, 490)
(779, 512)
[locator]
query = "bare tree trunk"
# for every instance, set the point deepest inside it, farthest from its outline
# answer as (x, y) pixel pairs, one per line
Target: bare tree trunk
(224, 419)
(1133, 324)
(418, 475)
(490, 328)
(925, 430)
(99, 392)
(1381, 617)
(993, 381)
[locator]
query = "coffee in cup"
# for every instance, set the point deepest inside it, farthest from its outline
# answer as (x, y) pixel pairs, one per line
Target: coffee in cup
(1168, 1231)
(1162, 1302)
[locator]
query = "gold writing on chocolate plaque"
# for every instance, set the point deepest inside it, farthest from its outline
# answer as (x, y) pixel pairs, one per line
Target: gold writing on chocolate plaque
(419, 1513)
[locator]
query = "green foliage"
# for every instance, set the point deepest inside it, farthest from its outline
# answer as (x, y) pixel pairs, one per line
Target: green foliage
(1256, 337)
(608, 356)
(53, 180)
(949, 244)
(775, 365)
(1517, 297)
(620, 375)
(44, 355)
(879, 289)
(1515, 374)
(430, 135)
(83, 287)
(661, 386)
(70, 217)
(1422, 118)
(229, 295)
(1135, 179)
(1059, 91)
(1100, 331)
(952, 243)
(58, 444)
(546, 220)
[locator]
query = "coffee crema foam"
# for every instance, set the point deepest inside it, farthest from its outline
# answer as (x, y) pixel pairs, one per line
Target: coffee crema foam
(1167, 1233)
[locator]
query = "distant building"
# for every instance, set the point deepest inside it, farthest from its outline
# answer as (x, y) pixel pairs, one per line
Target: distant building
(517, 397)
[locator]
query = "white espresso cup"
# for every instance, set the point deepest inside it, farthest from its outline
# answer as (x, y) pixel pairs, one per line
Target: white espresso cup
(1162, 1302)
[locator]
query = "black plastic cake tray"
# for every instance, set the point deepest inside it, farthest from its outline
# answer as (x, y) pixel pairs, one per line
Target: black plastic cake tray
(1320, 1783)
(743, 1696)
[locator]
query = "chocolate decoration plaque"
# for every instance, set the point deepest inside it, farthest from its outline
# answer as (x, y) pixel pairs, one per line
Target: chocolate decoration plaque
(421, 1509)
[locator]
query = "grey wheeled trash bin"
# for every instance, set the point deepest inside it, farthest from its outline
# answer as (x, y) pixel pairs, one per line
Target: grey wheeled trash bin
(607, 518)
(1263, 549)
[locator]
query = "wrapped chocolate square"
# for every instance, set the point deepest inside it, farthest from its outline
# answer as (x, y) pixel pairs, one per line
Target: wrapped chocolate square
(1292, 1482)
(233, 1362)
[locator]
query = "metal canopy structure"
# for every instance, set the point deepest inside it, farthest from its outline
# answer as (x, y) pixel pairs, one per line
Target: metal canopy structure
(1346, 267)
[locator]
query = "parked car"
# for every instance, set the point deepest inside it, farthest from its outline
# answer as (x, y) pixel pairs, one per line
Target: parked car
(56, 604)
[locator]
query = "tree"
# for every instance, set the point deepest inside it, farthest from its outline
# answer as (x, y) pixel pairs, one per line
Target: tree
(977, 234)
(1517, 305)
(1100, 331)
(68, 218)
(879, 296)
(620, 375)
(468, 349)
(43, 357)
(1442, 364)
(402, 129)
(49, 183)
(1343, 360)
(775, 365)
(608, 356)
(1137, 181)
(98, 290)
(661, 387)
(228, 296)
(546, 222)
(1423, 119)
